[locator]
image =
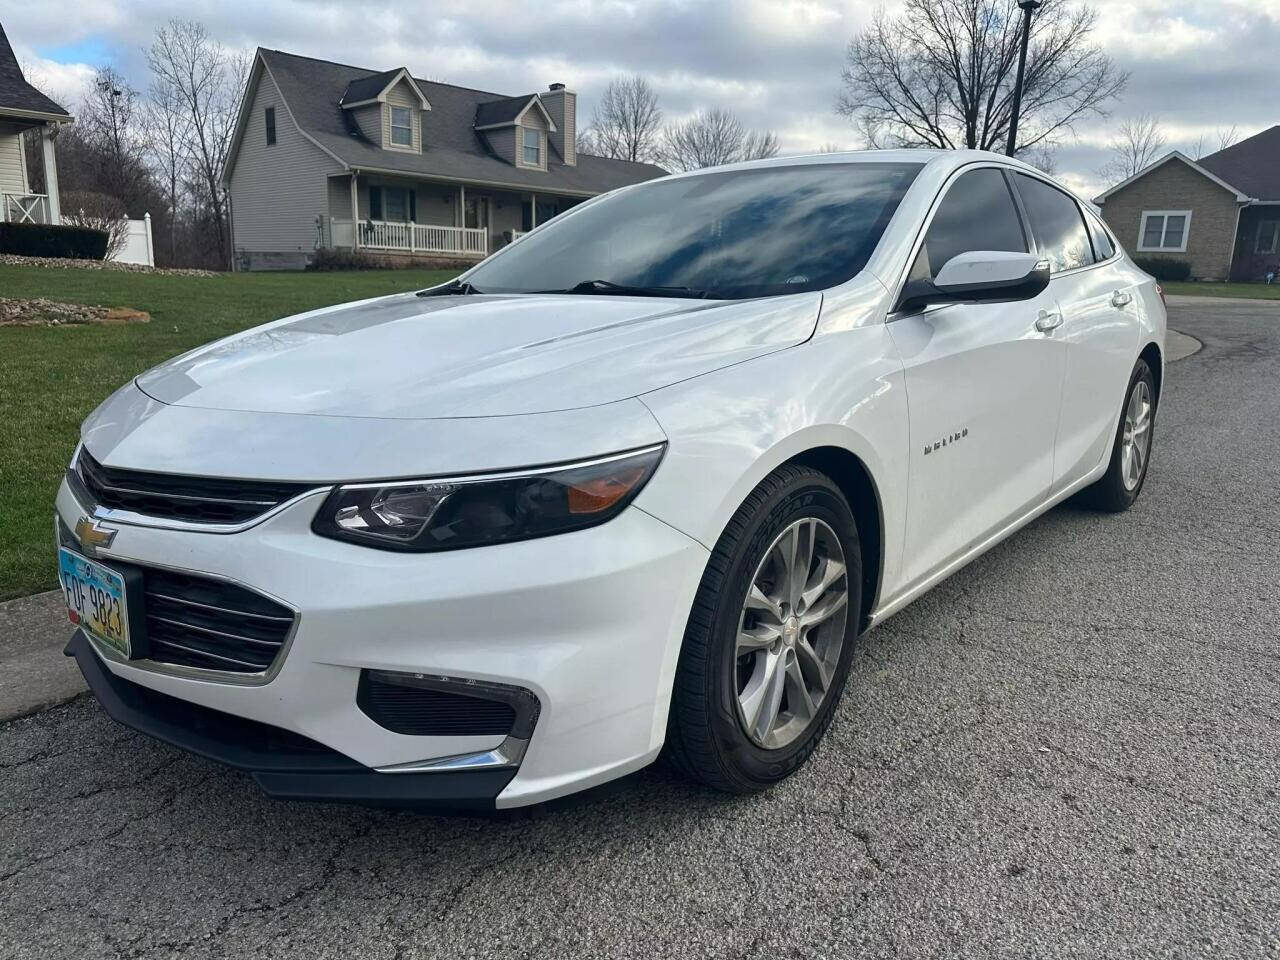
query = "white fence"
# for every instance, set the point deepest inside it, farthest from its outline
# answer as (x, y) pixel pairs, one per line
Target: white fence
(138, 247)
(24, 207)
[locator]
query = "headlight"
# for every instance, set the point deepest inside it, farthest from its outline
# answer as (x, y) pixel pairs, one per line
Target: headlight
(457, 512)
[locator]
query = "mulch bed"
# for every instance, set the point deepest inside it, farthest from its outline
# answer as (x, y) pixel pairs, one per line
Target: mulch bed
(39, 312)
(61, 263)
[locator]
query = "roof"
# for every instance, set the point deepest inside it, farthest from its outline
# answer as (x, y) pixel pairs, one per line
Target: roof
(1240, 196)
(1252, 165)
(18, 95)
(494, 112)
(452, 149)
(371, 89)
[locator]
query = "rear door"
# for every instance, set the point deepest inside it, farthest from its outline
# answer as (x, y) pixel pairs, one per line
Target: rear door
(1099, 331)
(983, 386)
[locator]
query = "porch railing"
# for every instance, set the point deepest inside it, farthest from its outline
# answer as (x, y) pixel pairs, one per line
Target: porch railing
(412, 237)
(24, 207)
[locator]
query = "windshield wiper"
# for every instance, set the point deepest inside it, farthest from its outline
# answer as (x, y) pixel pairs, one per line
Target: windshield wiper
(607, 287)
(453, 288)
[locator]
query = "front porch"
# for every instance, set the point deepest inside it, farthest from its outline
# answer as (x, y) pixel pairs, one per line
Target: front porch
(27, 195)
(400, 215)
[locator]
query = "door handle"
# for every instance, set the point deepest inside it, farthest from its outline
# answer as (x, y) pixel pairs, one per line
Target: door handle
(1048, 321)
(1120, 299)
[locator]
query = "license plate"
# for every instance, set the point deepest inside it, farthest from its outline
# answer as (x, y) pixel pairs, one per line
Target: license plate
(95, 598)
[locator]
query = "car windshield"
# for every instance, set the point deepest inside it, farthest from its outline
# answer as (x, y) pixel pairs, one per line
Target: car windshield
(727, 235)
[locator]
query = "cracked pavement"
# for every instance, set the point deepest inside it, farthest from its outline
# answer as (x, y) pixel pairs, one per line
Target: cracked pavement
(1069, 749)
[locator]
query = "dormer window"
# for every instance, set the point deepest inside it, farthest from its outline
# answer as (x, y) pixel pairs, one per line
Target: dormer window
(402, 126)
(532, 143)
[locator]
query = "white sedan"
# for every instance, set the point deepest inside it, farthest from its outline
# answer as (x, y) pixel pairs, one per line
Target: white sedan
(633, 485)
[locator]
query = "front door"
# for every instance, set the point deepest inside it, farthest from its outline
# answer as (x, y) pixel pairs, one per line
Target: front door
(984, 384)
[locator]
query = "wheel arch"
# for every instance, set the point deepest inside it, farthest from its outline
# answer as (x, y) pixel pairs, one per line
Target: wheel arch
(1155, 360)
(856, 482)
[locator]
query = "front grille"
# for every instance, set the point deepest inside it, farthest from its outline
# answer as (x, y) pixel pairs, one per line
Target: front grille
(197, 622)
(441, 707)
(177, 497)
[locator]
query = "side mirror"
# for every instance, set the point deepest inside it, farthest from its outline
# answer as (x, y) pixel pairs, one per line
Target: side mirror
(980, 276)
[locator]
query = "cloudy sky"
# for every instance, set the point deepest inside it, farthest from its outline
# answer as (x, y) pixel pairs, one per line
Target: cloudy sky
(1200, 65)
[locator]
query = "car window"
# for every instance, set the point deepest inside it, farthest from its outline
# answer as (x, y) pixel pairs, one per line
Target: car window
(978, 213)
(1058, 224)
(1104, 247)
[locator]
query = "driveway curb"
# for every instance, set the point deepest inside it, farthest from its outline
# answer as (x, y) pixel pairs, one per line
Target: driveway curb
(34, 675)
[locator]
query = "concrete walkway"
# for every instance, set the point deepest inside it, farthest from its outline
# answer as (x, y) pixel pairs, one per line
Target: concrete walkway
(34, 675)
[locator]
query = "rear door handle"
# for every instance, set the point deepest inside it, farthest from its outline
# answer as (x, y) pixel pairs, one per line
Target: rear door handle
(1048, 321)
(1120, 299)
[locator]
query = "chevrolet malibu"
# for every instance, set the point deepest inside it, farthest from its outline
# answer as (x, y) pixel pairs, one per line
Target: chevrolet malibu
(632, 486)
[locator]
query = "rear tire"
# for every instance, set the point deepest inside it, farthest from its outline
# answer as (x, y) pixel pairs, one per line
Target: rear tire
(1131, 449)
(759, 678)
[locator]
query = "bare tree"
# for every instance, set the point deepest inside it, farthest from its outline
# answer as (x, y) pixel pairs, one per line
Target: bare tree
(831, 148)
(759, 145)
(941, 74)
(166, 124)
(199, 75)
(626, 122)
(1044, 158)
(108, 117)
(712, 137)
(1203, 146)
(1137, 144)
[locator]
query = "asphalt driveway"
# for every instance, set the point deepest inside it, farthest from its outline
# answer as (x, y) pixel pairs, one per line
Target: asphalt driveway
(1071, 748)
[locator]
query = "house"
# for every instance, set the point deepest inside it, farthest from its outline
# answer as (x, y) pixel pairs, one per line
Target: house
(329, 155)
(23, 107)
(1220, 214)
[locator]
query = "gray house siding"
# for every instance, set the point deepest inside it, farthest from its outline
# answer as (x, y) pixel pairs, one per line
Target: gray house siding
(532, 119)
(13, 167)
(369, 120)
(277, 191)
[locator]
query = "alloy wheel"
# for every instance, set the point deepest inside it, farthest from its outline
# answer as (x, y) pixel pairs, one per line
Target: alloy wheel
(1135, 442)
(791, 633)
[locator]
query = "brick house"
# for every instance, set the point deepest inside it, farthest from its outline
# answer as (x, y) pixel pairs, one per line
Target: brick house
(1220, 214)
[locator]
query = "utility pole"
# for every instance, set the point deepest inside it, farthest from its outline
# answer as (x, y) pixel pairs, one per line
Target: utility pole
(1029, 8)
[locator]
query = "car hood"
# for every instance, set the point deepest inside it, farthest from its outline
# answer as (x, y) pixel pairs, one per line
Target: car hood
(414, 357)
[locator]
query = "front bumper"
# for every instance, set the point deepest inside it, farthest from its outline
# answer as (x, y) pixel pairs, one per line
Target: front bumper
(284, 765)
(589, 622)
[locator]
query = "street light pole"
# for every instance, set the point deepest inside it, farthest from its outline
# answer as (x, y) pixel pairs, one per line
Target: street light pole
(1029, 8)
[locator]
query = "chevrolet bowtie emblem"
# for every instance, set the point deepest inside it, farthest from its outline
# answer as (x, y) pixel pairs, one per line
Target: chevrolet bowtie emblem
(91, 536)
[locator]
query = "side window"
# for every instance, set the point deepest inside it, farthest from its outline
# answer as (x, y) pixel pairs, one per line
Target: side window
(1103, 246)
(269, 116)
(1057, 222)
(978, 213)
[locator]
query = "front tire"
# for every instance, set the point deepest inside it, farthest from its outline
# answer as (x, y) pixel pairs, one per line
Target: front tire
(1131, 449)
(770, 637)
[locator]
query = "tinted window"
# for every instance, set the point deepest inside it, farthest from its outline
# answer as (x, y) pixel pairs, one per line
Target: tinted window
(731, 234)
(978, 213)
(1057, 223)
(1103, 247)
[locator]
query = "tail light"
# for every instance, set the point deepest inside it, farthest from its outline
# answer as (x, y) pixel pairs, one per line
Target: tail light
(1160, 290)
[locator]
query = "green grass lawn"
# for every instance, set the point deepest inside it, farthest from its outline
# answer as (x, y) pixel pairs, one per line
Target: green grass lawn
(52, 377)
(1252, 291)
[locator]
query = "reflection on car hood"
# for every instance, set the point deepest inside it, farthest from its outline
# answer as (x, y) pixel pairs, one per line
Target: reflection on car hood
(473, 356)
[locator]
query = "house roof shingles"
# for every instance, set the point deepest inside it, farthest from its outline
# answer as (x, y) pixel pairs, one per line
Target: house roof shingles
(367, 88)
(452, 148)
(1252, 166)
(506, 110)
(15, 92)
